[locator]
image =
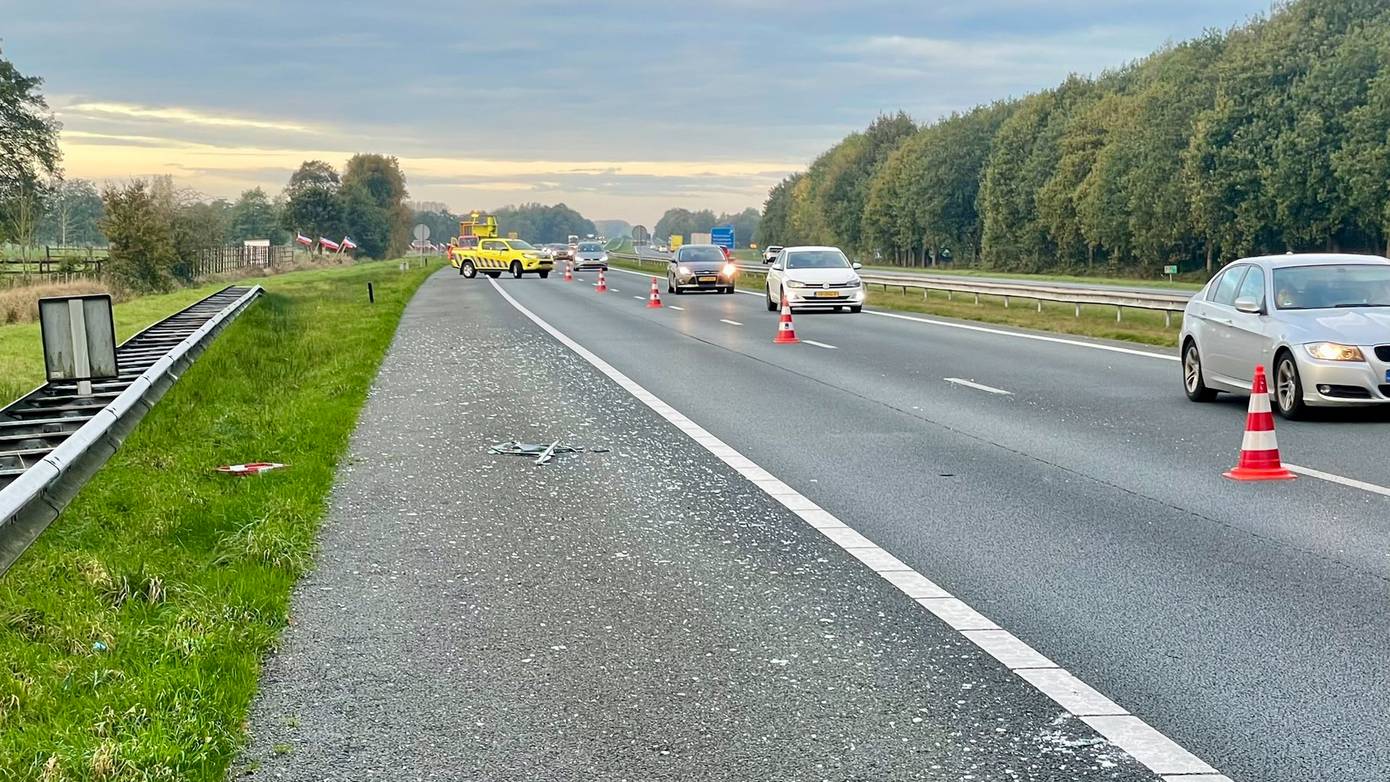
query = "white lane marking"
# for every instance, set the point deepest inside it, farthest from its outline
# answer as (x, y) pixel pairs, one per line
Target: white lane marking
(819, 344)
(675, 307)
(1309, 472)
(1129, 733)
(639, 298)
(1351, 482)
(730, 322)
(977, 386)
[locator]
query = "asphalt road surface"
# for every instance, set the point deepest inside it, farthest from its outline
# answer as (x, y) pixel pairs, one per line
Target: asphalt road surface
(638, 612)
(1068, 492)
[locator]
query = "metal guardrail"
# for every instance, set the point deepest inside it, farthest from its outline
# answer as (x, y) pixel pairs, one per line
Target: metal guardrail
(52, 440)
(1167, 303)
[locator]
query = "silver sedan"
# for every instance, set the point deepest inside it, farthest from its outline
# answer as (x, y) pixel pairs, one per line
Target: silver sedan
(1320, 322)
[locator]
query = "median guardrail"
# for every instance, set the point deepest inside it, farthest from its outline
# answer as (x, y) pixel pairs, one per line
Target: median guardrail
(1167, 303)
(64, 458)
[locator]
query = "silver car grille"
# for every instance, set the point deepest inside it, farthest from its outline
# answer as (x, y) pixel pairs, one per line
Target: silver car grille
(1383, 353)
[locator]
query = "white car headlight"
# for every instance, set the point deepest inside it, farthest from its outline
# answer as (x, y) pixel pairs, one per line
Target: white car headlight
(854, 283)
(683, 269)
(795, 284)
(1331, 351)
(604, 258)
(729, 269)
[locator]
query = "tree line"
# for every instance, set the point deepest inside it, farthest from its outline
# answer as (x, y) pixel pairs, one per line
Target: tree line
(1272, 136)
(683, 222)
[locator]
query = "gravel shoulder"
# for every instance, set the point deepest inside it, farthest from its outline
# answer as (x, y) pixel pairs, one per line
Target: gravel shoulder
(637, 613)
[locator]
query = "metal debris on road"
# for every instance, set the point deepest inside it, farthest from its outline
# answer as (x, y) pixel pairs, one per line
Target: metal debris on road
(543, 453)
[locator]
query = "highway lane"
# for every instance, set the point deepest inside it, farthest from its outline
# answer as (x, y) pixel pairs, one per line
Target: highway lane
(1089, 286)
(1084, 511)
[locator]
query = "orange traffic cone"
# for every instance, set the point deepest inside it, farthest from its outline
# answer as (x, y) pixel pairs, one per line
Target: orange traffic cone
(1259, 452)
(602, 286)
(654, 301)
(786, 332)
(569, 272)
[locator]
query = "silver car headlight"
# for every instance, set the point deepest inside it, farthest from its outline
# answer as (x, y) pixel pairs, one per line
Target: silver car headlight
(604, 258)
(854, 283)
(795, 284)
(1332, 351)
(683, 270)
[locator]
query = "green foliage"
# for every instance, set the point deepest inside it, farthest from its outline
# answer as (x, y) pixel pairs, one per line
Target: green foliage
(540, 224)
(29, 151)
(1270, 137)
(253, 216)
(312, 206)
(379, 178)
(683, 222)
(141, 237)
(73, 216)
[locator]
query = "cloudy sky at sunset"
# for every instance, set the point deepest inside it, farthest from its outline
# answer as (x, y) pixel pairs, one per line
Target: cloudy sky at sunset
(620, 109)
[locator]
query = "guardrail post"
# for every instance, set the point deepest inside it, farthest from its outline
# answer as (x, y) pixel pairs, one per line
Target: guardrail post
(1167, 319)
(1118, 311)
(1006, 302)
(949, 297)
(1039, 305)
(1078, 310)
(977, 299)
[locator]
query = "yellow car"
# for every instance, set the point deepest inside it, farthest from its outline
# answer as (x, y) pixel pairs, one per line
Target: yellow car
(494, 256)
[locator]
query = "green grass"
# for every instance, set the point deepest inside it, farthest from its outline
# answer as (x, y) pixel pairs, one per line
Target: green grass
(131, 634)
(21, 352)
(1095, 321)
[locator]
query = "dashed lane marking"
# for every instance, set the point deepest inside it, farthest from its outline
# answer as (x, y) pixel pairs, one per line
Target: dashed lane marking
(977, 386)
(1144, 743)
(819, 344)
(730, 322)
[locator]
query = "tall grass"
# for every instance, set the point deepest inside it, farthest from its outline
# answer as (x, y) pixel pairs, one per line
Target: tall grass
(131, 633)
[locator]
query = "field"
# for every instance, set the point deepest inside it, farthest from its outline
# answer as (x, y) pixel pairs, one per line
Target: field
(132, 632)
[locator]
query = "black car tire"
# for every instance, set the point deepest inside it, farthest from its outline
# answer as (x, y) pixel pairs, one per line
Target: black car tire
(1288, 402)
(856, 308)
(1192, 383)
(729, 289)
(543, 275)
(516, 269)
(468, 270)
(770, 306)
(670, 286)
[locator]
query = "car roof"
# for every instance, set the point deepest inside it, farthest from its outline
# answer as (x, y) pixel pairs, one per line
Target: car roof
(810, 247)
(701, 246)
(1313, 259)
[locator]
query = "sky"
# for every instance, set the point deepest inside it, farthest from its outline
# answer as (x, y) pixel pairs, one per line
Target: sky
(620, 109)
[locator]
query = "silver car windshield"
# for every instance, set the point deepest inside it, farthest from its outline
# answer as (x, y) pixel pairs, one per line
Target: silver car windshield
(817, 259)
(701, 254)
(591, 248)
(1328, 287)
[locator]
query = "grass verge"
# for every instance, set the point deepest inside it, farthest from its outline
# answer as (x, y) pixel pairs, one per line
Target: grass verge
(1095, 321)
(131, 634)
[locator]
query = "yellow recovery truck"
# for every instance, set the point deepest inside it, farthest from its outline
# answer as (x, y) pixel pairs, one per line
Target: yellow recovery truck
(478, 248)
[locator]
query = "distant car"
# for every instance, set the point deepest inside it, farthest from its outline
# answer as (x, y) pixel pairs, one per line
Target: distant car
(814, 278)
(590, 255)
(559, 252)
(1320, 322)
(700, 267)
(770, 252)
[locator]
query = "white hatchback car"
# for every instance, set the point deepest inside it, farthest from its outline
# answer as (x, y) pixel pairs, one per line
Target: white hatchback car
(1321, 322)
(814, 277)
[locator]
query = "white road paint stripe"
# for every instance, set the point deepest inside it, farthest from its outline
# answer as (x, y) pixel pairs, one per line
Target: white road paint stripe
(1351, 483)
(675, 307)
(1129, 733)
(819, 344)
(977, 386)
(639, 298)
(730, 322)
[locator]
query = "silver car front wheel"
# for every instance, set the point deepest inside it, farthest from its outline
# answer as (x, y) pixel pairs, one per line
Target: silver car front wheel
(1288, 388)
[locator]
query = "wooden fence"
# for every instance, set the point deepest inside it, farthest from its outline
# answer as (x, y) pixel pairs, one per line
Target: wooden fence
(67, 264)
(221, 260)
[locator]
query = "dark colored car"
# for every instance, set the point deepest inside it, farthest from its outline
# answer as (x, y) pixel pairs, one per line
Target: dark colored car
(700, 267)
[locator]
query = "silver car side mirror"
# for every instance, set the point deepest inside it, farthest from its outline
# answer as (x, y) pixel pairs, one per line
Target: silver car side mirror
(1251, 306)
(856, 265)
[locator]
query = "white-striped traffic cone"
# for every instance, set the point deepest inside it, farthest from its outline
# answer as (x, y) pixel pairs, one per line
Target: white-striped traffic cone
(1259, 452)
(569, 271)
(602, 286)
(786, 332)
(654, 300)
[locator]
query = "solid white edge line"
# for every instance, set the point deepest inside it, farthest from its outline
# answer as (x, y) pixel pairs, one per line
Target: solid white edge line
(977, 386)
(1307, 471)
(819, 344)
(1155, 751)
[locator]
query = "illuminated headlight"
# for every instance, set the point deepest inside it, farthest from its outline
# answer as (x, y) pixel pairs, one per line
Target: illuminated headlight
(683, 269)
(795, 284)
(729, 269)
(604, 258)
(1331, 351)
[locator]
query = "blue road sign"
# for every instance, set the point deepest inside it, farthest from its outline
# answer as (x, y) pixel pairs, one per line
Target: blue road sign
(723, 236)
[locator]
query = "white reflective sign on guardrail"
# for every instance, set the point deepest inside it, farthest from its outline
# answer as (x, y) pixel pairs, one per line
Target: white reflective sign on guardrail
(79, 338)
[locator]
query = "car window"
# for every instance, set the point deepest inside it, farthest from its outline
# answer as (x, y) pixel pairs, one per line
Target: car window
(1331, 286)
(817, 259)
(518, 244)
(700, 254)
(1226, 287)
(1253, 287)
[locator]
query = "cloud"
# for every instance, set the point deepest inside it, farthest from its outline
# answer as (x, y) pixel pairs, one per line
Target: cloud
(177, 115)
